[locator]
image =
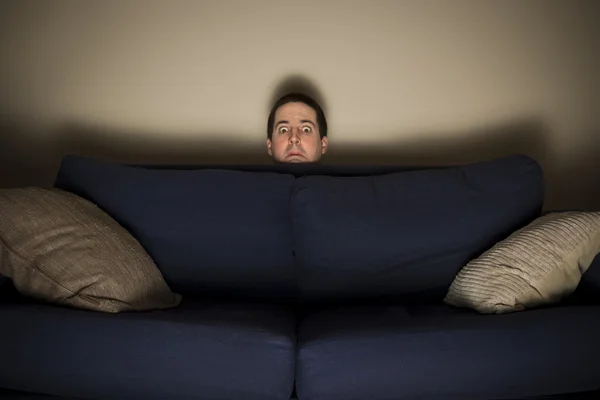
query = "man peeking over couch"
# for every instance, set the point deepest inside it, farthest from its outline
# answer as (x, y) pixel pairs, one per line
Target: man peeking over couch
(296, 130)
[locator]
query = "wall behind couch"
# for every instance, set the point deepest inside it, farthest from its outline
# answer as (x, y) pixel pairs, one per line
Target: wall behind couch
(409, 82)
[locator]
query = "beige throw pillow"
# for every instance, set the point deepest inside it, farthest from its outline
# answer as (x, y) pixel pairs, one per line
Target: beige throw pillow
(537, 265)
(60, 248)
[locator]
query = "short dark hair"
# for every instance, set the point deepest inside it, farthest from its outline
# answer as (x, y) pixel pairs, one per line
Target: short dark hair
(298, 98)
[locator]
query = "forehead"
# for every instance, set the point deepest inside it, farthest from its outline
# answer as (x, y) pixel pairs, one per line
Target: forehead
(293, 111)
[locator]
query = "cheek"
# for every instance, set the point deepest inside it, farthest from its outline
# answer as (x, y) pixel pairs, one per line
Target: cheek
(279, 143)
(313, 143)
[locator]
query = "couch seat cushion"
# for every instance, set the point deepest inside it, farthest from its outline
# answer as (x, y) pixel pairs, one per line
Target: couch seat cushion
(212, 351)
(437, 352)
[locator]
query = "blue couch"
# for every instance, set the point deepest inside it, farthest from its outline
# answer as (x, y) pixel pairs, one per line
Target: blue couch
(312, 281)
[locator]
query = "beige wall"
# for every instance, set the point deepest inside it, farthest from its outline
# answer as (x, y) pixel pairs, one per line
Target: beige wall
(403, 81)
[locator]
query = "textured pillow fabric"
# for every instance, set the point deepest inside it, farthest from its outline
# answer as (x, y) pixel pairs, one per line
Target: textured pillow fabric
(537, 265)
(60, 248)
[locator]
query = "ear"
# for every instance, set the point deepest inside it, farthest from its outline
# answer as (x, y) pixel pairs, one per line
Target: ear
(269, 147)
(324, 144)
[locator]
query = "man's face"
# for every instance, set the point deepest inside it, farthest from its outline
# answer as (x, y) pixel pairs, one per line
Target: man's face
(296, 137)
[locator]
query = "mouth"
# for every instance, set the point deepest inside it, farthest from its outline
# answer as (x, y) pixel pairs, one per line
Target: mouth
(295, 154)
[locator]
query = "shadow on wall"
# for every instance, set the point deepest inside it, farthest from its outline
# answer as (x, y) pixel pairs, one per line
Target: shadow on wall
(31, 156)
(301, 84)
(576, 180)
(28, 153)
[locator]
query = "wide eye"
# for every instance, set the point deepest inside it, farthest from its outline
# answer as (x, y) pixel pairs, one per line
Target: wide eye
(283, 129)
(306, 129)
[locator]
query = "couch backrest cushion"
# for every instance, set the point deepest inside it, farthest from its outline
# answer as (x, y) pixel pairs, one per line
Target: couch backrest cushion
(406, 233)
(210, 232)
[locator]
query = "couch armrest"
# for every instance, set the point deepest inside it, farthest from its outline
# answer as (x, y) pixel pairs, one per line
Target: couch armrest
(6, 287)
(588, 290)
(544, 212)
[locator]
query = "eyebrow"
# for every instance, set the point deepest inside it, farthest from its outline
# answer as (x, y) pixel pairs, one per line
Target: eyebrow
(304, 121)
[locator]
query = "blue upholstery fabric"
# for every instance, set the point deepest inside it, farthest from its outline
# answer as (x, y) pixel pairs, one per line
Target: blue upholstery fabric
(435, 352)
(588, 289)
(360, 232)
(211, 232)
(407, 233)
(199, 350)
(591, 278)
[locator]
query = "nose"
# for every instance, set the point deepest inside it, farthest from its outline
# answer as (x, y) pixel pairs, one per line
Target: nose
(294, 137)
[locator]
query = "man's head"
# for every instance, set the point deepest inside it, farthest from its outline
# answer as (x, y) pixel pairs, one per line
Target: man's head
(296, 130)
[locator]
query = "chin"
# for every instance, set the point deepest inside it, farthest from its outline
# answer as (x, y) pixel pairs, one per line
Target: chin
(296, 159)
